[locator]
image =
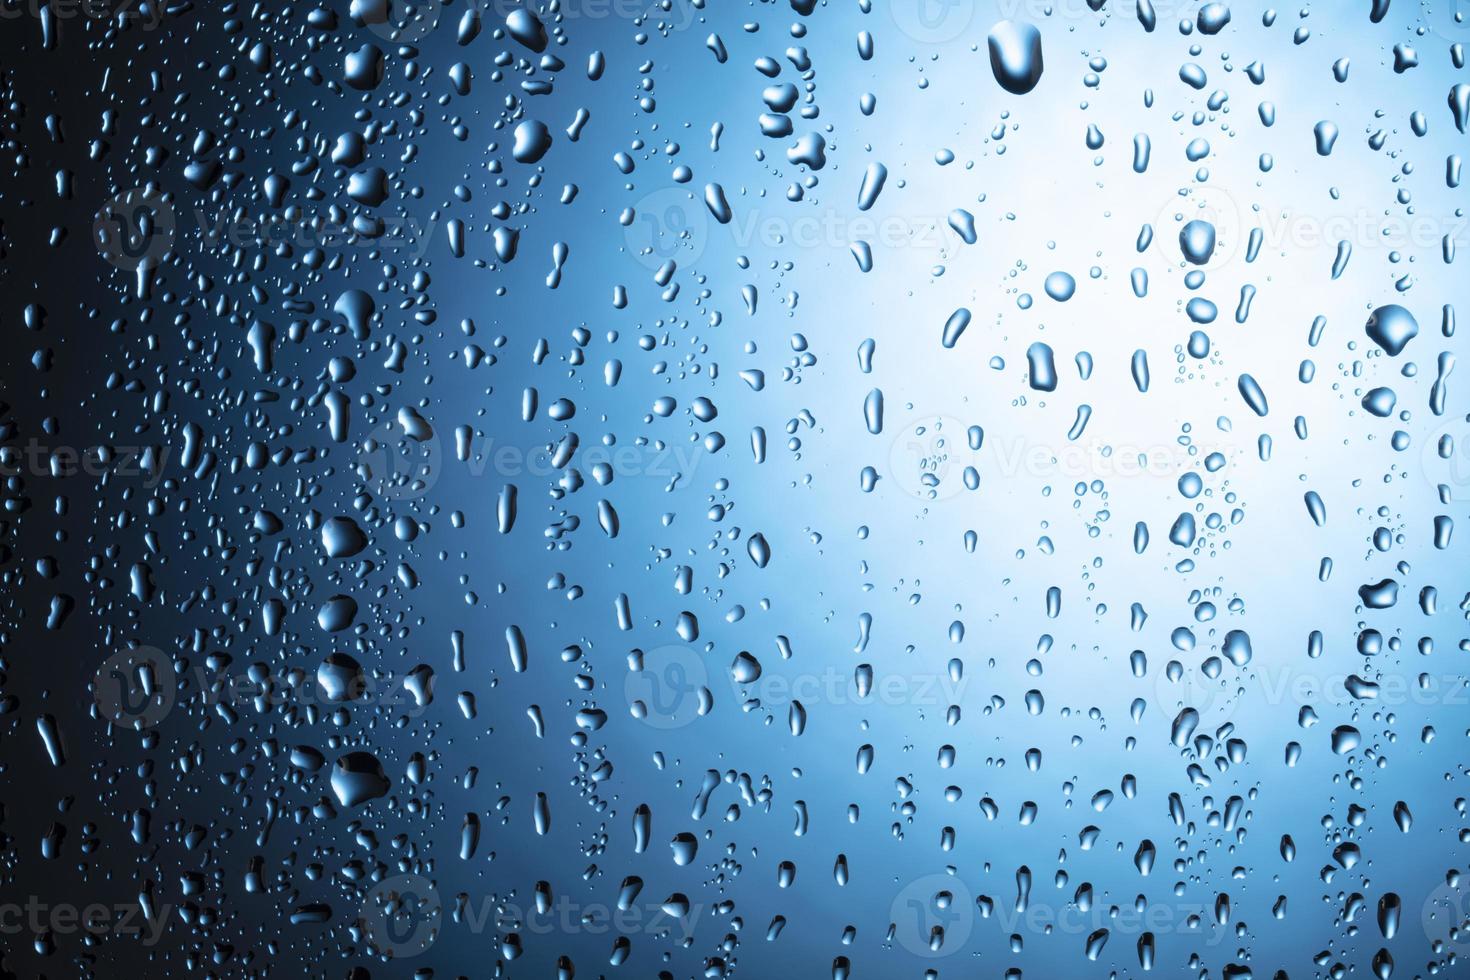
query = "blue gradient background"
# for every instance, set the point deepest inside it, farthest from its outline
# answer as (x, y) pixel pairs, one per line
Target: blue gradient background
(1048, 511)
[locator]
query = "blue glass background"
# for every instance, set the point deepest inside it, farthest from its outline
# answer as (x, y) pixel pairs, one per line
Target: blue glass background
(860, 573)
